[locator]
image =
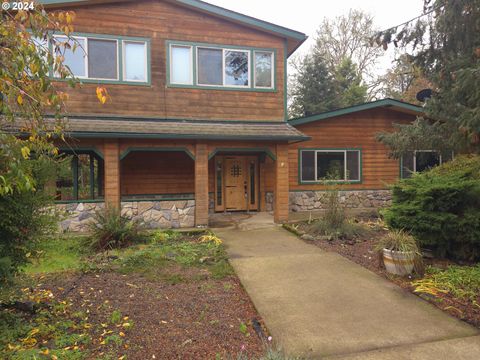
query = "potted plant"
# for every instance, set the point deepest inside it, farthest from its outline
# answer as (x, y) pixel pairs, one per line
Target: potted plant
(399, 251)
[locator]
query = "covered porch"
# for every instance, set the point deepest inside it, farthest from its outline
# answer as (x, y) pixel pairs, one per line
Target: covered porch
(173, 183)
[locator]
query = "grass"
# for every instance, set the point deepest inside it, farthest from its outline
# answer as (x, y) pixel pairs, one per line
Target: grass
(57, 254)
(59, 331)
(460, 281)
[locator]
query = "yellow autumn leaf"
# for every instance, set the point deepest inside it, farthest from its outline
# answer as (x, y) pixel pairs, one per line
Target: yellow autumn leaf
(122, 334)
(126, 325)
(69, 17)
(19, 100)
(25, 152)
(29, 341)
(45, 352)
(54, 357)
(102, 95)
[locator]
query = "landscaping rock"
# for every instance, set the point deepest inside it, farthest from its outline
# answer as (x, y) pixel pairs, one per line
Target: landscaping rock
(307, 237)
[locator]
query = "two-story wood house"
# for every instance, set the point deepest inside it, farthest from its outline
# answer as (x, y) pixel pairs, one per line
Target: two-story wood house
(196, 122)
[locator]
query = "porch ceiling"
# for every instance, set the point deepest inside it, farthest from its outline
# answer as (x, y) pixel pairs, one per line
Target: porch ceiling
(78, 127)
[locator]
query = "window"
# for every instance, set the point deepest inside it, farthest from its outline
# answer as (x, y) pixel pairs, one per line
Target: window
(329, 165)
(422, 160)
(181, 65)
(263, 69)
(80, 176)
(75, 55)
(209, 66)
(102, 59)
(214, 66)
(99, 58)
(135, 61)
(236, 67)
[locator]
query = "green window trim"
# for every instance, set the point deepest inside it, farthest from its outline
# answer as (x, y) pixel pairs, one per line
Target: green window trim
(124, 154)
(120, 58)
(330, 182)
(157, 197)
(262, 150)
(195, 45)
(94, 182)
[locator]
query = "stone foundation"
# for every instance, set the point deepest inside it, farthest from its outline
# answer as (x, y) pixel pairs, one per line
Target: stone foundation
(162, 214)
(76, 216)
(153, 214)
(317, 200)
(269, 201)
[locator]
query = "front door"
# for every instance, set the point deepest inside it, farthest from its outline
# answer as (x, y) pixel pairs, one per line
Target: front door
(235, 183)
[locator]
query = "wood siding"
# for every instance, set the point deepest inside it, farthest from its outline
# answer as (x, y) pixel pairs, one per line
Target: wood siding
(356, 130)
(146, 173)
(160, 21)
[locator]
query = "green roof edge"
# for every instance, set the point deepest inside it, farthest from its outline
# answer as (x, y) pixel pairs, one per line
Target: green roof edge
(355, 108)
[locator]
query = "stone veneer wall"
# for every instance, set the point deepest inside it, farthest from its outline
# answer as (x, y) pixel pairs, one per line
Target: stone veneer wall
(353, 199)
(269, 201)
(76, 216)
(156, 214)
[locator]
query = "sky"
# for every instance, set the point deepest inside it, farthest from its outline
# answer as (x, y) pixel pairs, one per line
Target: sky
(306, 15)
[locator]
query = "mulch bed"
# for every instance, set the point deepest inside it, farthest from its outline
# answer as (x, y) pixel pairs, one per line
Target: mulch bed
(189, 320)
(361, 252)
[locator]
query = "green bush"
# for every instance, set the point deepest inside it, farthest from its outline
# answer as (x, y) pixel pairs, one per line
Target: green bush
(441, 208)
(110, 229)
(23, 222)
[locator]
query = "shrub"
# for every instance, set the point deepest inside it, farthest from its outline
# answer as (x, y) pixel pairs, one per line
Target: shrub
(335, 224)
(348, 229)
(441, 208)
(110, 229)
(22, 224)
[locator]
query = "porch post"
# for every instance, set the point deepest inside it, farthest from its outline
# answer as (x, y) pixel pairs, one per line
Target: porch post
(281, 191)
(112, 173)
(201, 184)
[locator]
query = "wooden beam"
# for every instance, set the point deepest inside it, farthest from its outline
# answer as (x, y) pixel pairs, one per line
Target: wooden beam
(201, 184)
(281, 191)
(112, 173)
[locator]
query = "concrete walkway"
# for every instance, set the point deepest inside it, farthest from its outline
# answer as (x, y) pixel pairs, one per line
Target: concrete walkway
(318, 304)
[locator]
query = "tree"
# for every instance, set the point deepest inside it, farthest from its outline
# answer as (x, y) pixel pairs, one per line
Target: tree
(348, 37)
(312, 89)
(27, 150)
(404, 80)
(349, 85)
(444, 42)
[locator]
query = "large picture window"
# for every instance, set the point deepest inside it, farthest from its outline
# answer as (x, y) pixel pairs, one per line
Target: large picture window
(330, 165)
(422, 160)
(98, 58)
(215, 66)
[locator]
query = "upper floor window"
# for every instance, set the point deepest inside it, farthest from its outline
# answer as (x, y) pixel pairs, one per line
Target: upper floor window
(103, 58)
(330, 165)
(421, 160)
(213, 66)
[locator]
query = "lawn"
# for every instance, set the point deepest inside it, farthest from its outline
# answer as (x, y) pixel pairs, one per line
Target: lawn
(174, 296)
(453, 288)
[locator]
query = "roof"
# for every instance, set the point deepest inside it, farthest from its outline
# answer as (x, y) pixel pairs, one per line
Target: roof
(116, 127)
(385, 103)
(294, 38)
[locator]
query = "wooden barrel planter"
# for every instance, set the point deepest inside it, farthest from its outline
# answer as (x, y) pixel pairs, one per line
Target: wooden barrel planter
(398, 262)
